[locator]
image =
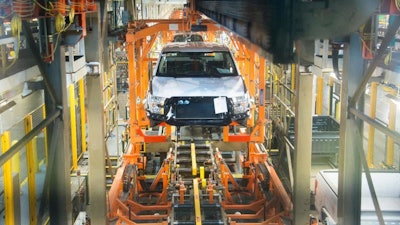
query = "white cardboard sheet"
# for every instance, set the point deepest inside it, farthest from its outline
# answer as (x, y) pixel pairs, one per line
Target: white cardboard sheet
(220, 105)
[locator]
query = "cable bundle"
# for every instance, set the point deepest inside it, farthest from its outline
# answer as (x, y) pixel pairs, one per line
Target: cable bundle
(23, 8)
(397, 4)
(54, 8)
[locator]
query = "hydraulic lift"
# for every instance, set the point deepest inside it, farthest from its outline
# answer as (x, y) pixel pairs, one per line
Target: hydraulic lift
(195, 175)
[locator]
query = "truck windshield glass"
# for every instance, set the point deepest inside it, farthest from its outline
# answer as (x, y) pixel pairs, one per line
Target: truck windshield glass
(192, 64)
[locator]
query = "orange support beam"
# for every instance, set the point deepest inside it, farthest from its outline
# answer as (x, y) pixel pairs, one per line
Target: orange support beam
(252, 66)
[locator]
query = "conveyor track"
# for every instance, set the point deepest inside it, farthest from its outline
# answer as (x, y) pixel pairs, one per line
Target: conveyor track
(191, 205)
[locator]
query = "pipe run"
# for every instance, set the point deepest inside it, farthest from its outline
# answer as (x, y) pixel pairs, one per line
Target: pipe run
(393, 134)
(28, 137)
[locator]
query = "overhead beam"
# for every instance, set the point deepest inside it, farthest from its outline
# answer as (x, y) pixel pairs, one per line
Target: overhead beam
(274, 25)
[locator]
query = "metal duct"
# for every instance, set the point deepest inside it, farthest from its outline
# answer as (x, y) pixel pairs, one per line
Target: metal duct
(274, 25)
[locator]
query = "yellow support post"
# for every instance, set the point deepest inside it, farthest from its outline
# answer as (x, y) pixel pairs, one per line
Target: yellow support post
(34, 154)
(46, 150)
(371, 132)
(196, 196)
(202, 180)
(293, 85)
(16, 161)
(83, 113)
(320, 96)
(74, 147)
(201, 172)
(8, 183)
(30, 158)
(391, 125)
(293, 77)
(194, 163)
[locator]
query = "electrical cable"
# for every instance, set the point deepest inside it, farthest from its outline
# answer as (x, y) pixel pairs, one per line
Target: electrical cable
(59, 23)
(397, 4)
(60, 27)
(16, 27)
(388, 57)
(41, 6)
(71, 17)
(335, 60)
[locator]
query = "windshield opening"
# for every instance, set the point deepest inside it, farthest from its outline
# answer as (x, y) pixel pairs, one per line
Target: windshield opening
(204, 64)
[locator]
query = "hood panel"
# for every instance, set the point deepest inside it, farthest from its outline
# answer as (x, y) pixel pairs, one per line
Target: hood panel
(203, 86)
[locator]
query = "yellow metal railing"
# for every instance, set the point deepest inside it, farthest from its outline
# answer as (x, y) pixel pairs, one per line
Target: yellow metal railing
(46, 149)
(194, 163)
(31, 158)
(8, 186)
(320, 96)
(72, 112)
(392, 126)
(12, 167)
(83, 113)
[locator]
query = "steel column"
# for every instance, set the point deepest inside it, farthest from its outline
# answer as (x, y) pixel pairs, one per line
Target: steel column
(60, 206)
(96, 146)
(52, 145)
(349, 189)
(302, 154)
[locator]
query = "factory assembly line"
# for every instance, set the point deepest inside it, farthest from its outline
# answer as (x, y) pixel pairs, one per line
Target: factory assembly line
(195, 174)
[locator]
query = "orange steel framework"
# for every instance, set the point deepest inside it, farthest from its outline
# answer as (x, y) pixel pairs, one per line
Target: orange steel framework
(123, 208)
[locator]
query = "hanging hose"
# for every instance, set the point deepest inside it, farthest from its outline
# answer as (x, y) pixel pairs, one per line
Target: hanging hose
(59, 23)
(397, 3)
(61, 27)
(16, 27)
(335, 60)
